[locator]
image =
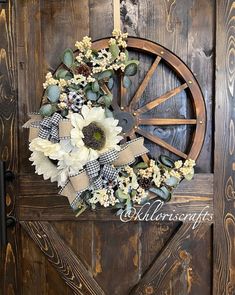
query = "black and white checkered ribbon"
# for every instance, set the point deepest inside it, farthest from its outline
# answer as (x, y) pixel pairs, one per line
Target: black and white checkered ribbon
(102, 171)
(49, 128)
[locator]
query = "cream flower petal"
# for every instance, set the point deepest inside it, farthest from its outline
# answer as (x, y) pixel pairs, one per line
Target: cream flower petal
(44, 167)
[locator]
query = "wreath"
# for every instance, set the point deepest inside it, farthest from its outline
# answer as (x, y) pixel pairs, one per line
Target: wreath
(76, 140)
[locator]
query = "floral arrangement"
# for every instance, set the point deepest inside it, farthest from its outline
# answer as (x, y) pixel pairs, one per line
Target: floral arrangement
(76, 141)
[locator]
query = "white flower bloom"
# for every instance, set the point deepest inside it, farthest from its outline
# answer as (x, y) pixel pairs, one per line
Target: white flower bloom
(43, 166)
(70, 161)
(94, 134)
(42, 151)
(49, 149)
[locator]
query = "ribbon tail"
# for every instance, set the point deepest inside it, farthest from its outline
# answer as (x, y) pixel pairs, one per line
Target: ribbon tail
(132, 150)
(33, 118)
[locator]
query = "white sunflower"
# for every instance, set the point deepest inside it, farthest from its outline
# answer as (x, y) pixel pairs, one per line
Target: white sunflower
(43, 154)
(93, 133)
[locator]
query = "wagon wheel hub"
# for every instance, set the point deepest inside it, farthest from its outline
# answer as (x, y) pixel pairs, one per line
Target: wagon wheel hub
(126, 120)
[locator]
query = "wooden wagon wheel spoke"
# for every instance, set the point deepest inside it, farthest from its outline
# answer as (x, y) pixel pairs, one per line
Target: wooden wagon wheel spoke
(157, 101)
(144, 83)
(166, 121)
(161, 142)
(122, 93)
(129, 115)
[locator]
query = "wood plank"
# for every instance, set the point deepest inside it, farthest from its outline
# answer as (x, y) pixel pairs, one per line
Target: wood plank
(116, 256)
(224, 229)
(201, 61)
(154, 236)
(70, 268)
(175, 258)
(190, 196)
(9, 257)
(33, 267)
(101, 14)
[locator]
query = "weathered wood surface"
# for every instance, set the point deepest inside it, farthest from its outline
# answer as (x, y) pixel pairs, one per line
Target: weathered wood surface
(9, 266)
(175, 259)
(224, 229)
(44, 29)
(70, 268)
(188, 198)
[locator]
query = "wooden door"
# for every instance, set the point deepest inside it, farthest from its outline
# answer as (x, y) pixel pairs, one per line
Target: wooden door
(50, 251)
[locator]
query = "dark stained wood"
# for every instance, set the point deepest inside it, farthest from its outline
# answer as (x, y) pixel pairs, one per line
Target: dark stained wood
(201, 58)
(154, 236)
(113, 256)
(119, 254)
(224, 229)
(9, 259)
(73, 272)
(189, 197)
(33, 267)
(175, 257)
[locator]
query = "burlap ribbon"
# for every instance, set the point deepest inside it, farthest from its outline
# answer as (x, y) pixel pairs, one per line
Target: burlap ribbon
(103, 169)
(96, 172)
(53, 128)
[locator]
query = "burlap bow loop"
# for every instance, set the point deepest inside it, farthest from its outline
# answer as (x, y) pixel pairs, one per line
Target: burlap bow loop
(49, 128)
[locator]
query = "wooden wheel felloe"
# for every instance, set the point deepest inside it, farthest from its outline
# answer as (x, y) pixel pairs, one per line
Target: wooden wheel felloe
(130, 116)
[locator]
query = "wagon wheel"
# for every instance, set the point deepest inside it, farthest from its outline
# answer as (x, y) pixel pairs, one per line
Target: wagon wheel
(130, 116)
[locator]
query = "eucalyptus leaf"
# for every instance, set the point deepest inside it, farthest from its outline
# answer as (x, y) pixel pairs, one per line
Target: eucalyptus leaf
(47, 110)
(64, 113)
(172, 181)
(105, 74)
(121, 195)
(126, 82)
(108, 113)
(163, 193)
(53, 93)
(68, 76)
(108, 100)
(61, 73)
(95, 86)
(110, 83)
(127, 55)
(128, 205)
(133, 193)
(131, 68)
(166, 161)
(124, 173)
(68, 58)
(141, 165)
(114, 50)
(91, 95)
